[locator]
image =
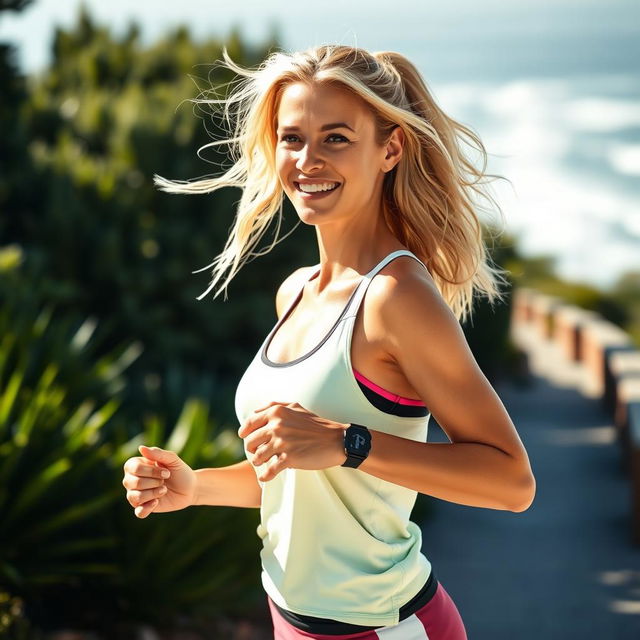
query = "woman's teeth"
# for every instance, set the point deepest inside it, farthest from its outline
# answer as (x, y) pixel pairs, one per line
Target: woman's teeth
(312, 188)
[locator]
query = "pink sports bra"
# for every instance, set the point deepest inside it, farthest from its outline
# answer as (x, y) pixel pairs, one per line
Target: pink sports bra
(387, 401)
(384, 393)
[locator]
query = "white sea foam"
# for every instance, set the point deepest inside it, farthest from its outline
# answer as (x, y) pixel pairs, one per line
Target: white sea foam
(625, 158)
(565, 198)
(601, 114)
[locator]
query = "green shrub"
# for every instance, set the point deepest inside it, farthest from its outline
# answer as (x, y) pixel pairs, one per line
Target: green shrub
(70, 545)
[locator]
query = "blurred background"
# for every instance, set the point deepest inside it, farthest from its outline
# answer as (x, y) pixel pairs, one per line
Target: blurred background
(103, 344)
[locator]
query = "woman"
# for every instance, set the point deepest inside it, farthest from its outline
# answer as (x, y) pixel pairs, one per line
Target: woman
(334, 407)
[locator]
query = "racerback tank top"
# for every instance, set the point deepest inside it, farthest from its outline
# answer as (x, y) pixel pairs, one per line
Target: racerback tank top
(337, 543)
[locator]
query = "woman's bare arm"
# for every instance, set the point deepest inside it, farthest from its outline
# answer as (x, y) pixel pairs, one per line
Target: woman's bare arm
(234, 486)
(486, 464)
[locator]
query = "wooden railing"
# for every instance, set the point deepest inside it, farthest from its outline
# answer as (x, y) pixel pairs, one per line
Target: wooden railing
(611, 362)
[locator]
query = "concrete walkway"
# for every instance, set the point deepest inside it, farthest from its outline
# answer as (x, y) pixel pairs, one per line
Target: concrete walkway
(564, 569)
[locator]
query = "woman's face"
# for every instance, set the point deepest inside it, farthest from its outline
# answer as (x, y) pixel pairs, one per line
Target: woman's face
(326, 136)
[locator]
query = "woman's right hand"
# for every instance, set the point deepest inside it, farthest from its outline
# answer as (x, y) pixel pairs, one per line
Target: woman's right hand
(148, 490)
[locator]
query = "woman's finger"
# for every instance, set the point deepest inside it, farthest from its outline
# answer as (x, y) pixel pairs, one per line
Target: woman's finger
(143, 510)
(151, 469)
(263, 452)
(140, 498)
(145, 468)
(140, 483)
(256, 438)
(266, 406)
(277, 463)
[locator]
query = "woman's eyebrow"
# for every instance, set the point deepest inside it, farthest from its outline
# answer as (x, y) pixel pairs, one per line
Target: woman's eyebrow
(324, 127)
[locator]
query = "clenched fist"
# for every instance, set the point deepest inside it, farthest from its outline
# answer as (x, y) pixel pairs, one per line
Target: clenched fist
(158, 481)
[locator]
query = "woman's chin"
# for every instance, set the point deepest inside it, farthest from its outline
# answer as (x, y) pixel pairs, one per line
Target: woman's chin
(311, 215)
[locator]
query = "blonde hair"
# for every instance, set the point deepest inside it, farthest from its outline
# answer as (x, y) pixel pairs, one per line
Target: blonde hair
(427, 197)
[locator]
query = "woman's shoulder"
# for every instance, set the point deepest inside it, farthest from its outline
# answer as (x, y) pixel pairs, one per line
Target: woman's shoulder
(406, 273)
(401, 288)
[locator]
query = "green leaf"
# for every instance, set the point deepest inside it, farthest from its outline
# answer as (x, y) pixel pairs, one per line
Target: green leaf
(80, 545)
(35, 488)
(8, 398)
(72, 515)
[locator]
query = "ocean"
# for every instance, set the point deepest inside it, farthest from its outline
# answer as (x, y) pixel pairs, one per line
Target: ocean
(551, 87)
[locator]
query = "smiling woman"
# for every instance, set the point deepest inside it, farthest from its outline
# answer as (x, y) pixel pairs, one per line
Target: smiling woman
(321, 167)
(334, 410)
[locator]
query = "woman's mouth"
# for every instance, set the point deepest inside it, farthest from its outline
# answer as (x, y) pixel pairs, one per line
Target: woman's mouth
(318, 193)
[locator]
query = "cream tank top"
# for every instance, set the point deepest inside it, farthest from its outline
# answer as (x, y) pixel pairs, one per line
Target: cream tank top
(338, 542)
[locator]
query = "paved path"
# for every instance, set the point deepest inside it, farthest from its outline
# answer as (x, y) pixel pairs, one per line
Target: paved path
(564, 569)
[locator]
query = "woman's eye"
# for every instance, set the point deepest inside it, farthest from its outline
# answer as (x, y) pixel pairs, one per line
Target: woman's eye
(285, 138)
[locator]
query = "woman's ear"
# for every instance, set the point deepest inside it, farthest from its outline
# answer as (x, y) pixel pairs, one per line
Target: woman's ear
(394, 147)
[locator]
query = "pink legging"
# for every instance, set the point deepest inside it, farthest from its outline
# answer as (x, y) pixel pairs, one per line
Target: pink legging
(439, 619)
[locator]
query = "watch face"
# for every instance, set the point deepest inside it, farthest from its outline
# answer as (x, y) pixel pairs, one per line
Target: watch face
(358, 440)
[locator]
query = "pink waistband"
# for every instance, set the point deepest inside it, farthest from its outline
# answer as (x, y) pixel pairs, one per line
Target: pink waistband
(387, 394)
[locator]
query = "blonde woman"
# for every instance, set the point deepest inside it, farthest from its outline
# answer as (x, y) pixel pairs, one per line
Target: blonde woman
(334, 407)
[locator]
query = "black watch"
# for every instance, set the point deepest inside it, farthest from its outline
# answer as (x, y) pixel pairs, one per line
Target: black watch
(357, 443)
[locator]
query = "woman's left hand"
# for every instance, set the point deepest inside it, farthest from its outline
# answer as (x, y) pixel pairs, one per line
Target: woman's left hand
(287, 435)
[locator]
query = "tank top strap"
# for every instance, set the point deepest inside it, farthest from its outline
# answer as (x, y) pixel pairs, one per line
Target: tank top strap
(361, 289)
(296, 298)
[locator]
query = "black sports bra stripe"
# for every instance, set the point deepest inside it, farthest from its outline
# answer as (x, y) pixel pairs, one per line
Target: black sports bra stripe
(392, 406)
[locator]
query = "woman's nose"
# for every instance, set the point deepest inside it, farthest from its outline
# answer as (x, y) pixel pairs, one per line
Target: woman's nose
(308, 158)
